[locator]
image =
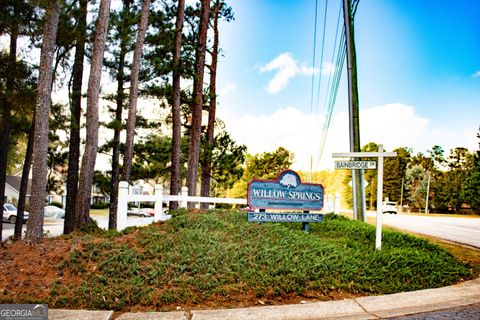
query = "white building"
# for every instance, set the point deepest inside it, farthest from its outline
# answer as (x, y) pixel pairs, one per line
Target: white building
(12, 189)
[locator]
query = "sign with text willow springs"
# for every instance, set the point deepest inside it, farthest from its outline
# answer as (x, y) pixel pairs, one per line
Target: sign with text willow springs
(287, 192)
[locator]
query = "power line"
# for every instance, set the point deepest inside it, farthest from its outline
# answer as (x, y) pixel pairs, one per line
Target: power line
(332, 92)
(321, 56)
(314, 54)
(333, 51)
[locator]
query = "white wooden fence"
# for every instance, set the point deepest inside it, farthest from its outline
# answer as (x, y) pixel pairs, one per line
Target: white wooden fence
(159, 198)
(332, 204)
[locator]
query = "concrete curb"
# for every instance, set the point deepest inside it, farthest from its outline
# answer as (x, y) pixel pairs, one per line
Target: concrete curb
(62, 314)
(373, 307)
(406, 303)
(344, 309)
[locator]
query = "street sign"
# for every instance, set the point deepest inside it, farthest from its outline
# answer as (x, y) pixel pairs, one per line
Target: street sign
(380, 155)
(355, 164)
(285, 193)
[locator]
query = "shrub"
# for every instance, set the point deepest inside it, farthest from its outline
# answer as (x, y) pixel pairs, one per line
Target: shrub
(100, 205)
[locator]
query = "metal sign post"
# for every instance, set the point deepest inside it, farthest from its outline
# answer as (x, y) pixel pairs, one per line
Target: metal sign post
(363, 165)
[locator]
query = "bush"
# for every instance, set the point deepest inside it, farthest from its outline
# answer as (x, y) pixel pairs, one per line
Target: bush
(100, 205)
(91, 227)
(220, 258)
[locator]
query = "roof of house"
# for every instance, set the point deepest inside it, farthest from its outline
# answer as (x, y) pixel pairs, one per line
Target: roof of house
(14, 182)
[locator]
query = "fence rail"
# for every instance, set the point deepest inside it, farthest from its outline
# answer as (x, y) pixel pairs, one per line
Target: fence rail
(332, 203)
(159, 199)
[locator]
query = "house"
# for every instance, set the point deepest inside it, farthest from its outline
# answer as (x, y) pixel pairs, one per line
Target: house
(12, 192)
(12, 189)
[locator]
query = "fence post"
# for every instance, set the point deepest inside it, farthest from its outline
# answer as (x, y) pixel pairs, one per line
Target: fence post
(122, 205)
(184, 203)
(330, 203)
(158, 203)
(336, 208)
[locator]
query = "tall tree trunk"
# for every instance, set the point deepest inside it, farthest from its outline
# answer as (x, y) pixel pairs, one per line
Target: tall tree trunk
(194, 153)
(120, 98)
(176, 124)
(112, 215)
(207, 161)
(6, 115)
(132, 103)
(89, 156)
(39, 179)
(75, 114)
(22, 197)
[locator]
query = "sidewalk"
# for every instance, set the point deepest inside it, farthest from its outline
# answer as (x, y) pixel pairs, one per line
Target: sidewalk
(373, 307)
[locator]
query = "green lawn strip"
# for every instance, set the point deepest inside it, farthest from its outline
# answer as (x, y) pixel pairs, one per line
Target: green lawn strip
(203, 257)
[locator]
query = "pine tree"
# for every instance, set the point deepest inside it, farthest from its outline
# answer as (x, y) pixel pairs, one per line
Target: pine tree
(121, 37)
(194, 154)
(176, 122)
(132, 103)
(207, 159)
(75, 114)
(89, 157)
(39, 179)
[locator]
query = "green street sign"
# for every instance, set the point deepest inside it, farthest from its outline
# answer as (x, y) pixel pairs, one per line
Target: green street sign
(355, 165)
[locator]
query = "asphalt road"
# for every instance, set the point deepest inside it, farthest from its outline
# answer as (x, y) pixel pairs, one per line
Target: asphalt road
(461, 230)
(462, 313)
(53, 227)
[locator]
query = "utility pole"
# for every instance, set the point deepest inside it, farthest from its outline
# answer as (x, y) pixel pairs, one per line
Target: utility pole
(428, 192)
(353, 111)
(401, 195)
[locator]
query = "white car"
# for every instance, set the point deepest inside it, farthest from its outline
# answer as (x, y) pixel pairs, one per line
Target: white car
(54, 212)
(10, 213)
(140, 212)
(389, 207)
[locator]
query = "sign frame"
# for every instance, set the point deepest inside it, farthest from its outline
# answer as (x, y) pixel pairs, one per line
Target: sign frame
(282, 189)
(278, 195)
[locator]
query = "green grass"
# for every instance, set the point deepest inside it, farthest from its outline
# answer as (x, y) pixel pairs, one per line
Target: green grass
(99, 212)
(217, 256)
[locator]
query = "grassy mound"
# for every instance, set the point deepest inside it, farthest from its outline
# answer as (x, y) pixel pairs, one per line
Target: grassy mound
(219, 259)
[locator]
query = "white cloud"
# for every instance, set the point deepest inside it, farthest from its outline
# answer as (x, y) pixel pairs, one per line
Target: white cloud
(398, 125)
(327, 68)
(286, 68)
(393, 125)
(227, 89)
(287, 127)
(476, 74)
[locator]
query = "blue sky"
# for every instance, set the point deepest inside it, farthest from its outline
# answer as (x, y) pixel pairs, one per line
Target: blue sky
(418, 64)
